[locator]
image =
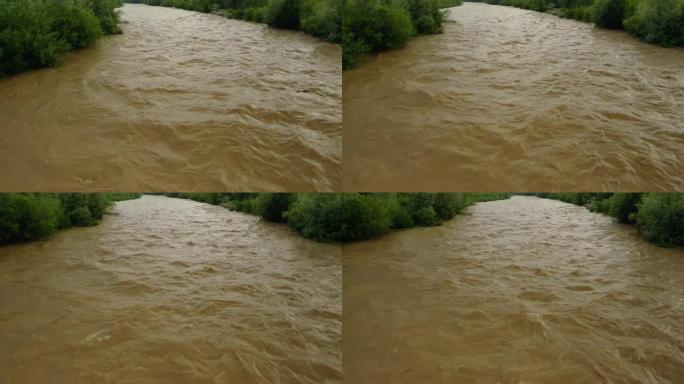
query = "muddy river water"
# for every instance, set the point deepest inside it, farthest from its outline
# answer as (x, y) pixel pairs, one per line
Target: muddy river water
(171, 291)
(524, 290)
(180, 101)
(514, 100)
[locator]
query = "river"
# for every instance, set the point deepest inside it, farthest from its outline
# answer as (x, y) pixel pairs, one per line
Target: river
(180, 101)
(171, 291)
(514, 100)
(524, 290)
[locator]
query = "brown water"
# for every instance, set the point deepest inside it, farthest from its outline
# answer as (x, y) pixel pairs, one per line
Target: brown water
(180, 101)
(513, 100)
(171, 291)
(518, 291)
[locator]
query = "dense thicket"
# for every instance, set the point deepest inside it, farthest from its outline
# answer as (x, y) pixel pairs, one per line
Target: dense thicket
(343, 217)
(654, 21)
(659, 216)
(378, 25)
(320, 18)
(37, 33)
(25, 217)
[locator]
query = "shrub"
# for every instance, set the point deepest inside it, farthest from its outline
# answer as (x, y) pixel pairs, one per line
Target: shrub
(37, 33)
(661, 218)
(82, 209)
(283, 13)
(448, 205)
(81, 217)
(246, 206)
(272, 206)
(322, 18)
(27, 217)
(623, 206)
(339, 217)
(608, 13)
(373, 26)
(658, 22)
(77, 26)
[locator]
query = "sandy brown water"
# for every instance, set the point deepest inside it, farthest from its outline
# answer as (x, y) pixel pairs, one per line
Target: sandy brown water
(171, 291)
(180, 101)
(514, 100)
(524, 290)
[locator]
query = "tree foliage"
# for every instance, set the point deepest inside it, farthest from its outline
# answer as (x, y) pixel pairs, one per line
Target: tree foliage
(37, 33)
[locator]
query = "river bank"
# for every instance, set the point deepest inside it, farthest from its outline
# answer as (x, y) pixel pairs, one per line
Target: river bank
(172, 105)
(319, 18)
(517, 290)
(372, 26)
(348, 217)
(37, 34)
(653, 21)
(28, 217)
(171, 290)
(658, 216)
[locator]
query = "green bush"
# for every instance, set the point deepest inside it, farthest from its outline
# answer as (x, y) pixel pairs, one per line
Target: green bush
(283, 14)
(448, 205)
(322, 18)
(82, 209)
(399, 215)
(37, 33)
(609, 13)
(80, 217)
(27, 217)
(272, 206)
(623, 206)
(338, 217)
(658, 22)
(661, 218)
(374, 26)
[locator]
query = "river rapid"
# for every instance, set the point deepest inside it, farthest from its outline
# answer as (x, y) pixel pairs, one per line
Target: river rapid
(514, 100)
(171, 291)
(180, 101)
(524, 290)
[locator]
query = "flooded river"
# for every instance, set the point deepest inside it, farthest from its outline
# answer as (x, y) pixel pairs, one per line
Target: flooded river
(171, 291)
(180, 101)
(524, 290)
(508, 99)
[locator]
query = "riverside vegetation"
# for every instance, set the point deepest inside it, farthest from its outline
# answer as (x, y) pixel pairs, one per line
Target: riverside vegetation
(658, 216)
(345, 217)
(320, 18)
(26, 216)
(37, 33)
(378, 25)
(654, 21)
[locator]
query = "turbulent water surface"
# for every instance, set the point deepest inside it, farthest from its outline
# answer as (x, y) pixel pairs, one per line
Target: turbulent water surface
(171, 291)
(180, 101)
(517, 291)
(509, 99)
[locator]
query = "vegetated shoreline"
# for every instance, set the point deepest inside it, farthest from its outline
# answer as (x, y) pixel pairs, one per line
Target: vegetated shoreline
(347, 217)
(659, 217)
(337, 217)
(38, 33)
(319, 18)
(34, 216)
(372, 26)
(659, 22)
